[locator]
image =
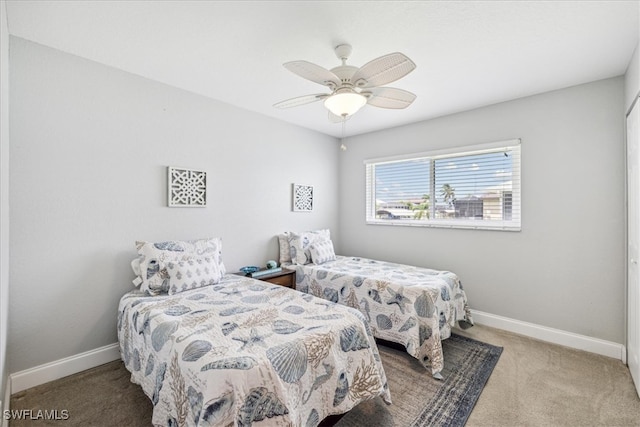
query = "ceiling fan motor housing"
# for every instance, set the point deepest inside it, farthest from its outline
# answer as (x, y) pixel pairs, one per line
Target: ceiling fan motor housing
(344, 73)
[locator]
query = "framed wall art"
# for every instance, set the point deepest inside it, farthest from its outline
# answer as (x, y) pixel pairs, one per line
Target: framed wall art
(302, 198)
(186, 187)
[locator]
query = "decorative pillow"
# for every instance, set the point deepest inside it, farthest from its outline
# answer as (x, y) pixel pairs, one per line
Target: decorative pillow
(285, 253)
(192, 271)
(322, 252)
(153, 257)
(299, 244)
(135, 265)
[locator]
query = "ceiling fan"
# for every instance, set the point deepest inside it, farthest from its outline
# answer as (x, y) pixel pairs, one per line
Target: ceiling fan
(352, 87)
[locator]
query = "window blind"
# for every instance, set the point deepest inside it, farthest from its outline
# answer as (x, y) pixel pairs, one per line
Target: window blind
(470, 187)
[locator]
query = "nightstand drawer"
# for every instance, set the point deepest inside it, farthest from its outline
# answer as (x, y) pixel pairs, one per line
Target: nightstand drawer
(287, 278)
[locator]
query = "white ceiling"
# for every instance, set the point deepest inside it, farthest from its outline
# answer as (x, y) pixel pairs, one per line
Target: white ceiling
(468, 53)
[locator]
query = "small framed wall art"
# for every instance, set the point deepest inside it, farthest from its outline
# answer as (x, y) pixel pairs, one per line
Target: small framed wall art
(186, 187)
(302, 198)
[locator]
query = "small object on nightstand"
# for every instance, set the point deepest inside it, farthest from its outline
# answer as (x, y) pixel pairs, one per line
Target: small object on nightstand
(265, 272)
(271, 264)
(249, 269)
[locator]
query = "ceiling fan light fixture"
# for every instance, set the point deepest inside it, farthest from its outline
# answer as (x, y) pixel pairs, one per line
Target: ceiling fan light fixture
(345, 103)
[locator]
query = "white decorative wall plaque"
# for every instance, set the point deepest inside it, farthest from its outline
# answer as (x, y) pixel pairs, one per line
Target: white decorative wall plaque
(187, 187)
(302, 198)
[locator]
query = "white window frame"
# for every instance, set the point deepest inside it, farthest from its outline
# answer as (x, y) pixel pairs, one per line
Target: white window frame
(514, 224)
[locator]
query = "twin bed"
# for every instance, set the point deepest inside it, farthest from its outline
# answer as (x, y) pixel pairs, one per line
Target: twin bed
(223, 349)
(412, 306)
(211, 348)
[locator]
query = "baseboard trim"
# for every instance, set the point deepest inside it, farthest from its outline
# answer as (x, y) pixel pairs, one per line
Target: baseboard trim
(61, 368)
(555, 336)
(28, 378)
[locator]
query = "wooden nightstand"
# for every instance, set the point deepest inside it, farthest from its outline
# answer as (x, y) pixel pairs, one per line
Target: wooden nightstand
(283, 278)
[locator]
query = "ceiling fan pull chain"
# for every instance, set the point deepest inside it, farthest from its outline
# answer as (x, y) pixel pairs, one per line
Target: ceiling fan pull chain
(344, 126)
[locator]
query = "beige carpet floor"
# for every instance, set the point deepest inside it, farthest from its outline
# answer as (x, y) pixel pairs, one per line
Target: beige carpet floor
(541, 384)
(533, 384)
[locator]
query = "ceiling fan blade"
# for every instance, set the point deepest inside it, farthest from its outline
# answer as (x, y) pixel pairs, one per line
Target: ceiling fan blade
(383, 70)
(313, 72)
(334, 118)
(389, 97)
(300, 100)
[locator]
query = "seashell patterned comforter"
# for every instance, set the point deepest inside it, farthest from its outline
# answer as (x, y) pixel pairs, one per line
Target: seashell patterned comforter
(409, 305)
(246, 352)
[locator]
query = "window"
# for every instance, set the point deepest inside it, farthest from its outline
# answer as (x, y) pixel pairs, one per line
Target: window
(471, 187)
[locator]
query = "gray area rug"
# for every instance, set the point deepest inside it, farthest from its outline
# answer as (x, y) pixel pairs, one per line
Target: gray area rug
(105, 396)
(419, 400)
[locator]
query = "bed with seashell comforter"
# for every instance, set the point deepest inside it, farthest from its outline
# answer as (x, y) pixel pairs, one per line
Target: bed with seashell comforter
(245, 352)
(412, 306)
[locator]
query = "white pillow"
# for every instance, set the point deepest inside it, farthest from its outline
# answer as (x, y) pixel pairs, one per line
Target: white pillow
(299, 244)
(322, 252)
(285, 253)
(191, 272)
(153, 258)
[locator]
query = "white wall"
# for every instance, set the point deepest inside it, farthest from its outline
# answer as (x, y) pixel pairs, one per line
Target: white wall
(565, 269)
(632, 80)
(89, 151)
(4, 196)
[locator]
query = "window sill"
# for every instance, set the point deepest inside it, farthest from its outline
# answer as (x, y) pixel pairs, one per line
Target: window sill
(465, 225)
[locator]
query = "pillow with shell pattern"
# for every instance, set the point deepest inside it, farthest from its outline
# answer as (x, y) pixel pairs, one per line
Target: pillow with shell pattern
(153, 258)
(299, 244)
